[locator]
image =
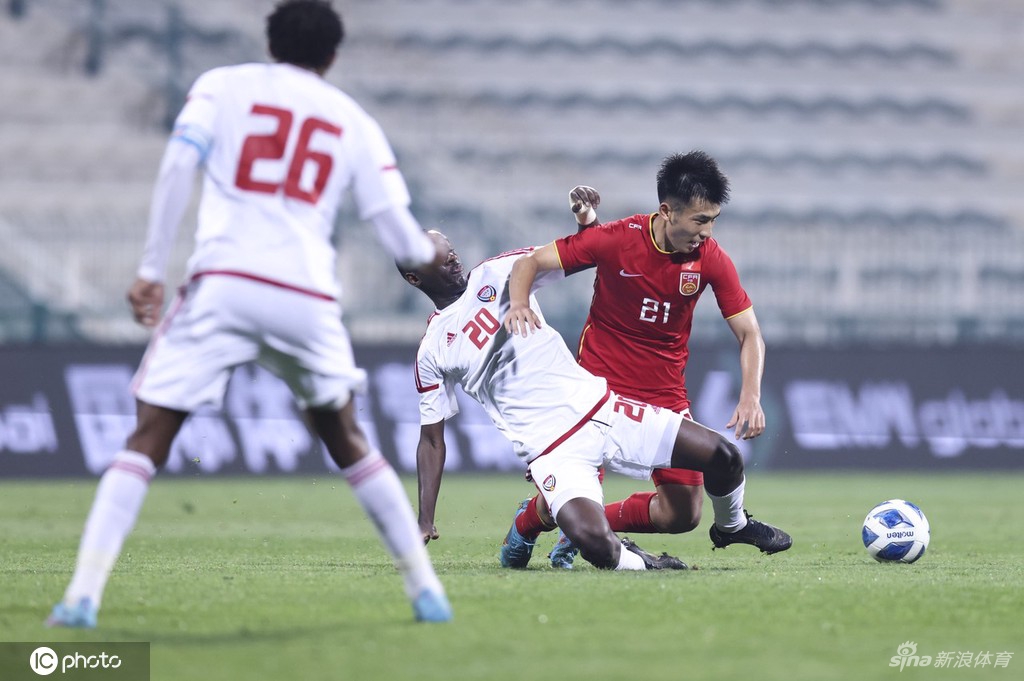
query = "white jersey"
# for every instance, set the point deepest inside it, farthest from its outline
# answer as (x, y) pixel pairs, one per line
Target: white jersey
(531, 387)
(280, 147)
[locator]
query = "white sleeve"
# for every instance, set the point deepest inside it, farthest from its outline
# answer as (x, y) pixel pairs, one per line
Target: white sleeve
(403, 237)
(377, 184)
(437, 395)
(170, 201)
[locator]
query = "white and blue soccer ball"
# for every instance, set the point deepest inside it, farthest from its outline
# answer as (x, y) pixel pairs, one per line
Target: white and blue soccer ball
(896, 531)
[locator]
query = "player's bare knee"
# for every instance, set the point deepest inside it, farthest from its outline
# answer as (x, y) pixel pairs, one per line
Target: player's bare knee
(727, 461)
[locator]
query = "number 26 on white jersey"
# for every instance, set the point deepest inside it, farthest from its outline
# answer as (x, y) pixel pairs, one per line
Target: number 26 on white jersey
(272, 147)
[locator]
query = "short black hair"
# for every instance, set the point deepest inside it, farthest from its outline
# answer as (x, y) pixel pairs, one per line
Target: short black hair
(304, 32)
(685, 177)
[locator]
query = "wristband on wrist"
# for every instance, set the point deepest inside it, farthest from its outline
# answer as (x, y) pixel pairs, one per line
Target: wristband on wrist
(586, 218)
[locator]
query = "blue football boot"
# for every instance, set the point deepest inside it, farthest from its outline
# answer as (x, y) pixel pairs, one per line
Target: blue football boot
(80, 615)
(563, 552)
(516, 551)
(432, 606)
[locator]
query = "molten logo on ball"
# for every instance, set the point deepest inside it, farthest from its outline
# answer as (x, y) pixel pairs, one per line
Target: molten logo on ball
(896, 531)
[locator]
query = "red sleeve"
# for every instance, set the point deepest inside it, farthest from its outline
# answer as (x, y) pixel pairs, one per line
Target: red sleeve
(584, 249)
(725, 281)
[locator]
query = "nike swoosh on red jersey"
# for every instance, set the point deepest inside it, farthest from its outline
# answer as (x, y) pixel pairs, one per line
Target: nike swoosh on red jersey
(624, 273)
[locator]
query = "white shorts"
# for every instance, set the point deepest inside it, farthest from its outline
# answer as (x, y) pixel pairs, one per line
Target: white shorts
(219, 322)
(625, 436)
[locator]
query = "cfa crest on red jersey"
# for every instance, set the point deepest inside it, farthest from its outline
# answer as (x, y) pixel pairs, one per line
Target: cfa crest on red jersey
(689, 283)
(487, 294)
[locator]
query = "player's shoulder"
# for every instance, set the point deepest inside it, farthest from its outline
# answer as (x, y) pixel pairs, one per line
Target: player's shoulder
(227, 73)
(502, 261)
(711, 249)
(214, 79)
(442, 329)
(634, 224)
(715, 261)
(343, 99)
(433, 327)
(627, 227)
(230, 79)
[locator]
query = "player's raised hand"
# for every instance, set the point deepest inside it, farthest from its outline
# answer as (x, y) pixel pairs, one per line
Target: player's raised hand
(583, 201)
(521, 320)
(147, 300)
(748, 420)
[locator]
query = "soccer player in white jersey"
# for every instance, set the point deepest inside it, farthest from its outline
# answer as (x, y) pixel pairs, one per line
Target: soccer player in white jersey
(278, 146)
(562, 421)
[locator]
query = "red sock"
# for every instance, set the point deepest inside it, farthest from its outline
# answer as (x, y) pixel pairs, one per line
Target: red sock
(528, 523)
(632, 514)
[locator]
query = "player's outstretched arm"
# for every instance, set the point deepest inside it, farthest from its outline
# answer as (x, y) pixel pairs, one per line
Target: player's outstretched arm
(748, 418)
(583, 201)
(430, 455)
(171, 196)
(402, 236)
(520, 319)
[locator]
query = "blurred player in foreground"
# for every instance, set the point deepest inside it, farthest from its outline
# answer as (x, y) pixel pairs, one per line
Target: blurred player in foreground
(650, 271)
(279, 146)
(564, 422)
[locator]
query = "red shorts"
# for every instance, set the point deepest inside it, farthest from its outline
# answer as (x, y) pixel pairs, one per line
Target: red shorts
(677, 476)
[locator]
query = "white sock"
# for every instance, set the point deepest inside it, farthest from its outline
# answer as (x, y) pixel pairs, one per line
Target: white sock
(729, 515)
(119, 498)
(630, 561)
(380, 492)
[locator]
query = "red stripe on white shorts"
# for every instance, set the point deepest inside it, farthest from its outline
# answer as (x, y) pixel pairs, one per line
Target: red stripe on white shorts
(572, 431)
(262, 280)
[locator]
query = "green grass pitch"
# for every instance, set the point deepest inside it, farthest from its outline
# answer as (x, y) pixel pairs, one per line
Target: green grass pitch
(283, 578)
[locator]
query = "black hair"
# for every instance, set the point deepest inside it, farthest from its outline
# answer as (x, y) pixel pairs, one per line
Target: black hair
(304, 32)
(686, 177)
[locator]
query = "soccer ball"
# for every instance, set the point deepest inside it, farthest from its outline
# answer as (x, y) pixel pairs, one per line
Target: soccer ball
(896, 531)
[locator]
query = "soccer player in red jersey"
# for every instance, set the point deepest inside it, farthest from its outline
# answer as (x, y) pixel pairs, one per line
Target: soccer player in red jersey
(650, 271)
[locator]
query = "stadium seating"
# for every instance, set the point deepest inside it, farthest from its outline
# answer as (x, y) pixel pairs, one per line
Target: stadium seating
(874, 145)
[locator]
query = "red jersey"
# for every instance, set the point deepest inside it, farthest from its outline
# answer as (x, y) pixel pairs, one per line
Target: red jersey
(640, 318)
